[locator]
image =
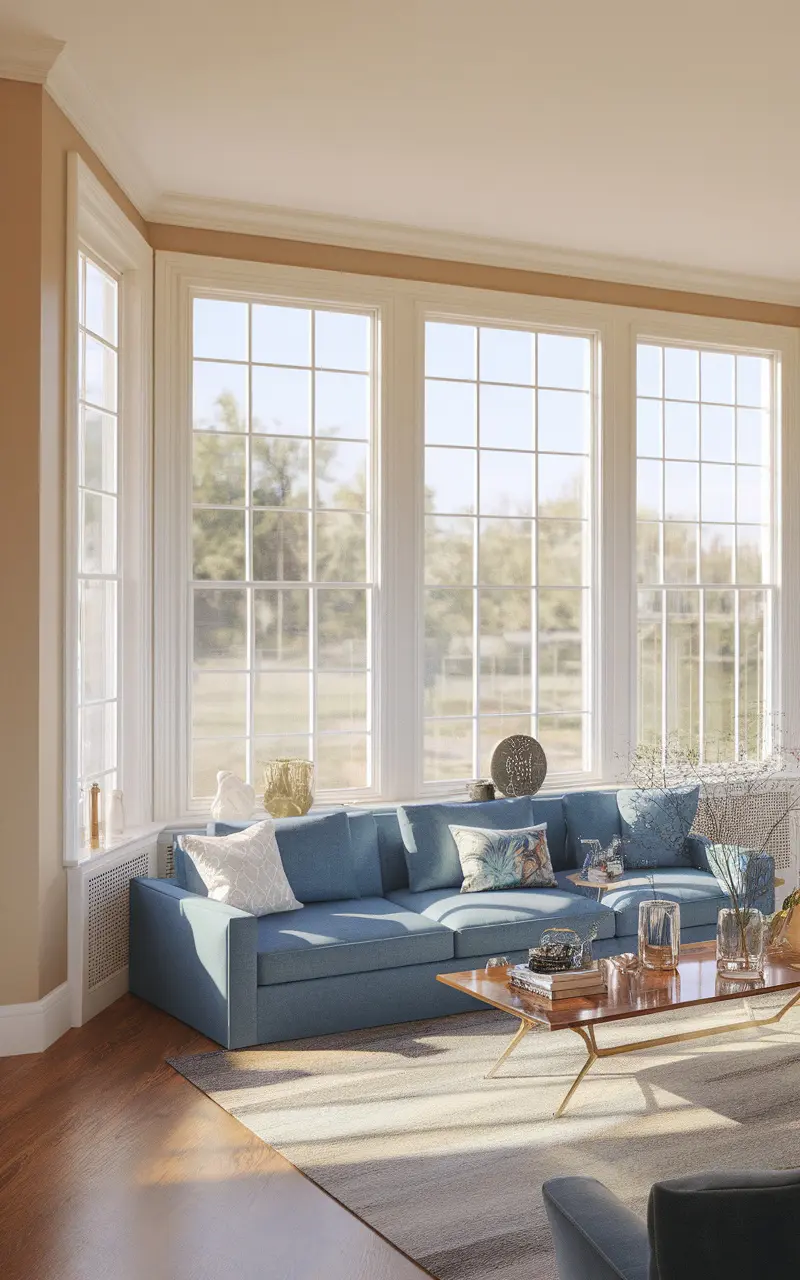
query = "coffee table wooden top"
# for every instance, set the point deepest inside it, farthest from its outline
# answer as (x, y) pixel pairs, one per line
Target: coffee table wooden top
(630, 994)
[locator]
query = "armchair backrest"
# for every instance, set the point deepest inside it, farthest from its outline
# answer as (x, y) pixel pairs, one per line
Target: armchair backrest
(725, 1226)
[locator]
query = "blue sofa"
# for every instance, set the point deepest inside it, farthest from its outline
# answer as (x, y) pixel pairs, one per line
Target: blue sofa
(383, 915)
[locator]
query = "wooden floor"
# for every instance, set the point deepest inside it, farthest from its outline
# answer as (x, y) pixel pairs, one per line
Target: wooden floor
(113, 1167)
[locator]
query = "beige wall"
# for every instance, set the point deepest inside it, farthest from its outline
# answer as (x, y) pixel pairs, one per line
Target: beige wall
(400, 266)
(35, 139)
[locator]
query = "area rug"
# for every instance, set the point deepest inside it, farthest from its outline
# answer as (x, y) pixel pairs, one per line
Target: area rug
(399, 1124)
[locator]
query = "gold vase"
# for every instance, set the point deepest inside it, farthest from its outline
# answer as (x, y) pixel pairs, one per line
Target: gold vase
(288, 787)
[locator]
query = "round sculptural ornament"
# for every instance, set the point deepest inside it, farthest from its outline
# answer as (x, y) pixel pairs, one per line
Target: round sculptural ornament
(519, 765)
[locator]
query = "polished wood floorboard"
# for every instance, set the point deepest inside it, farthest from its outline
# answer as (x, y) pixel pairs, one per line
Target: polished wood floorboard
(113, 1167)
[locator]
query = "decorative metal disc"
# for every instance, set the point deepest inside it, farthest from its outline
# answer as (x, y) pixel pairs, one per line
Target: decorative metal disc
(519, 765)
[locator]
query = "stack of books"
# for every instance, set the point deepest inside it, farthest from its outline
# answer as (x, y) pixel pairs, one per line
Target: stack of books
(557, 986)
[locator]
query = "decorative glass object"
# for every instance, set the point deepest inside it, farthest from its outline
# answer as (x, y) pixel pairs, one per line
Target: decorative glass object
(497, 962)
(288, 787)
(659, 934)
(602, 866)
(558, 951)
(741, 943)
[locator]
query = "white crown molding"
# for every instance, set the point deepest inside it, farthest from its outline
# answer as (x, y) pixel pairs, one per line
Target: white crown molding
(33, 1027)
(294, 224)
(96, 125)
(27, 56)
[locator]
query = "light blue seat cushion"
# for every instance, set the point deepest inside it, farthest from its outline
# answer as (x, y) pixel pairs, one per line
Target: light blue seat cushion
(697, 892)
(505, 920)
(655, 825)
(590, 815)
(328, 939)
(431, 853)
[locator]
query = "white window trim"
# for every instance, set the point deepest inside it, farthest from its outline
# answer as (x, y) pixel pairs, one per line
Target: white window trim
(401, 306)
(97, 224)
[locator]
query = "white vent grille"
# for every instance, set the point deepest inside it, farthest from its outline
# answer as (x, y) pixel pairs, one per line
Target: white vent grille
(107, 909)
(750, 820)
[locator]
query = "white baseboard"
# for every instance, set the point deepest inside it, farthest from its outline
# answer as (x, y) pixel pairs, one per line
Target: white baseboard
(32, 1028)
(104, 994)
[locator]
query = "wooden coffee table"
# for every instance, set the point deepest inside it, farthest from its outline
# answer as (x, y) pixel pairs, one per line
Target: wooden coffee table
(632, 993)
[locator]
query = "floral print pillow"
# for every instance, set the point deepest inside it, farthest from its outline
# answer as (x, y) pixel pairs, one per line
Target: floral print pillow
(504, 859)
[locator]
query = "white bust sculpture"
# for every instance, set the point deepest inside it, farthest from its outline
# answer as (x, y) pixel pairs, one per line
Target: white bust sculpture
(235, 800)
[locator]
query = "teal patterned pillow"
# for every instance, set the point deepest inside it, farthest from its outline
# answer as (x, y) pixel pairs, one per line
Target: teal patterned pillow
(504, 859)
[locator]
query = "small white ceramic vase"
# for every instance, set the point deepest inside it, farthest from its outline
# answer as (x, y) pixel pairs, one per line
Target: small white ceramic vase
(115, 814)
(235, 800)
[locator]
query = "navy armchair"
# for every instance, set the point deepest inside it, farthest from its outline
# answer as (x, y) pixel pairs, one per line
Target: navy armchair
(712, 1226)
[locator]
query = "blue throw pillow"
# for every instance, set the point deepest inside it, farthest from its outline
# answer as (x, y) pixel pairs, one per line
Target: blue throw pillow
(431, 853)
(655, 825)
(590, 815)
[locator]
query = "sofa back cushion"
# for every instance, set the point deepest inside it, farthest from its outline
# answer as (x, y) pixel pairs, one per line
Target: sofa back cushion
(430, 850)
(655, 824)
(317, 853)
(391, 851)
(366, 860)
(590, 815)
(550, 809)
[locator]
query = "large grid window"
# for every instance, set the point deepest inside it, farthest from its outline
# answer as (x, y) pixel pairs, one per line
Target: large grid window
(281, 596)
(98, 527)
(508, 442)
(705, 570)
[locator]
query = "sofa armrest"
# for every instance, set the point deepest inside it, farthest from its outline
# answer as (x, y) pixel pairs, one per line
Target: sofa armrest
(195, 958)
(596, 1237)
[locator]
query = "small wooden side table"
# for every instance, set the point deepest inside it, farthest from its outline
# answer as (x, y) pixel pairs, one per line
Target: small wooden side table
(577, 878)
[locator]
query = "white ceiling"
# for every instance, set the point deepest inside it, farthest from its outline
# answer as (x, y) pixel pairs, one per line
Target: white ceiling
(664, 133)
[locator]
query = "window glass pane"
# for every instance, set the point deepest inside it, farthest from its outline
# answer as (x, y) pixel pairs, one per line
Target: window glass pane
(341, 629)
(505, 651)
(341, 341)
(450, 481)
(282, 628)
(649, 439)
(281, 335)
(342, 405)
(97, 651)
(280, 546)
(211, 756)
(562, 739)
(562, 553)
(341, 760)
(564, 361)
(218, 545)
(220, 627)
(98, 534)
(449, 550)
(448, 749)
(449, 650)
(281, 702)
(341, 475)
(341, 547)
(506, 417)
(342, 701)
(219, 704)
(562, 485)
(279, 472)
(563, 421)
(506, 355)
(282, 401)
(98, 450)
(100, 374)
(690, 663)
(506, 553)
(506, 481)
(450, 413)
(560, 656)
(219, 397)
(219, 468)
(450, 350)
(220, 329)
(101, 303)
(98, 739)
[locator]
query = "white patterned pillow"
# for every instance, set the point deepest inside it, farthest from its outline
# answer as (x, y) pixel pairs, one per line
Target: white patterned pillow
(243, 870)
(517, 859)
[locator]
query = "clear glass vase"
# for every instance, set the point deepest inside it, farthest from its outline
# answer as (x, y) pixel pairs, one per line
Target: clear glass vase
(741, 943)
(659, 934)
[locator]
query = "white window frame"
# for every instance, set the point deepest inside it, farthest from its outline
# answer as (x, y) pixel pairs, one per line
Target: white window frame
(401, 307)
(97, 226)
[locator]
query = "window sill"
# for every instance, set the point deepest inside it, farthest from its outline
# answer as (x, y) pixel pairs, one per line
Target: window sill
(117, 844)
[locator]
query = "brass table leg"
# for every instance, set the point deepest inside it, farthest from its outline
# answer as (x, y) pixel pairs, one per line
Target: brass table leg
(524, 1028)
(587, 1036)
(681, 1037)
